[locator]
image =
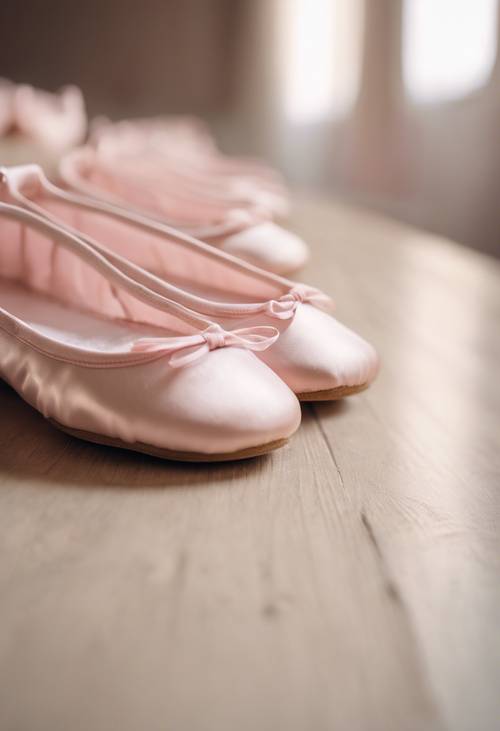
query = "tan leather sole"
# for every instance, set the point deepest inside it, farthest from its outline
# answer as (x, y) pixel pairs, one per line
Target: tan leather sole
(171, 454)
(331, 394)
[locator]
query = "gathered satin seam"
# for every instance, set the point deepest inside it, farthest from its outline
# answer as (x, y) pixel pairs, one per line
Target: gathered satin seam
(181, 237)
(200, 304)
(80, 248)
(234, 310)
(212, 231)
(228, 259)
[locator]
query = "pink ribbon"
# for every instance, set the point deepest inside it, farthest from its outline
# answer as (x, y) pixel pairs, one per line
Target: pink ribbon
(187, 349)
(284, 308)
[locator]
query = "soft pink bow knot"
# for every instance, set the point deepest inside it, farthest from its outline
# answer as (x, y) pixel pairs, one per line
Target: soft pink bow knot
(187, 349)
(284, 308)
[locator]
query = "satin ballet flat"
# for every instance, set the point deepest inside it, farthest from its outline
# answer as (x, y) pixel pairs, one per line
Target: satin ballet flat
(140, 182)
(317, 356)
(53, 120)
(183, 149)
(105, 358)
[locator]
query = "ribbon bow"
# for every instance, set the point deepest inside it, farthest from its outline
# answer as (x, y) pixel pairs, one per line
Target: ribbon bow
(187, 349)
(284, 307)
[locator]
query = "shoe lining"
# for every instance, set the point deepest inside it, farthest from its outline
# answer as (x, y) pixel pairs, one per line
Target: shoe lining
(70, 326)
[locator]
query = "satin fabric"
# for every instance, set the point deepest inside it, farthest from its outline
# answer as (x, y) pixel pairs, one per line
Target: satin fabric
(182, 150)
(224, 402)
(54, 120)
(107, 383)
(268, 245)
(215, 221)
(314, 353)
(318, 352)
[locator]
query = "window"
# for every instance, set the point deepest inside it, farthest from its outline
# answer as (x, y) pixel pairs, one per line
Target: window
(449, 47)
(320, 57)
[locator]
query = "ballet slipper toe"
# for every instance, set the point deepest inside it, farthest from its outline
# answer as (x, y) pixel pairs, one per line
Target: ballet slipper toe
(321, 359)
(228, 403)
(268, 246)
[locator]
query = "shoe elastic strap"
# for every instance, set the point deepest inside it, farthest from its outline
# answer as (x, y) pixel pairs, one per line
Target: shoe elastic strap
(88, 156)
(67, 167)
(17, 177)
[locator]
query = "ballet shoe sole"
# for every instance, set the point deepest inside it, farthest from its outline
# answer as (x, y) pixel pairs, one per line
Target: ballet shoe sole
(170, 454)
(331, 394)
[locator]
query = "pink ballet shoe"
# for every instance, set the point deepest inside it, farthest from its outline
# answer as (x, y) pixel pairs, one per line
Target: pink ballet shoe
(57, 121)
(183, 147)
(107, 359)
(190, 139)
(54, 121)
(138, 181)
(317, 356)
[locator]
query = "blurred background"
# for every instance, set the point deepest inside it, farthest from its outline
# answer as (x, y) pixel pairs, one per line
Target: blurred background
(392, 104)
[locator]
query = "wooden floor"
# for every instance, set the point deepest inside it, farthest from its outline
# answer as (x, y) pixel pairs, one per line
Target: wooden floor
(349, 581)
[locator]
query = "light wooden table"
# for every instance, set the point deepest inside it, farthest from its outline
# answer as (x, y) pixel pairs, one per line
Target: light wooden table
(349, 581)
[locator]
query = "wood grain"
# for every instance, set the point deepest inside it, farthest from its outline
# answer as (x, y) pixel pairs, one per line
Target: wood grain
(348, 581)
